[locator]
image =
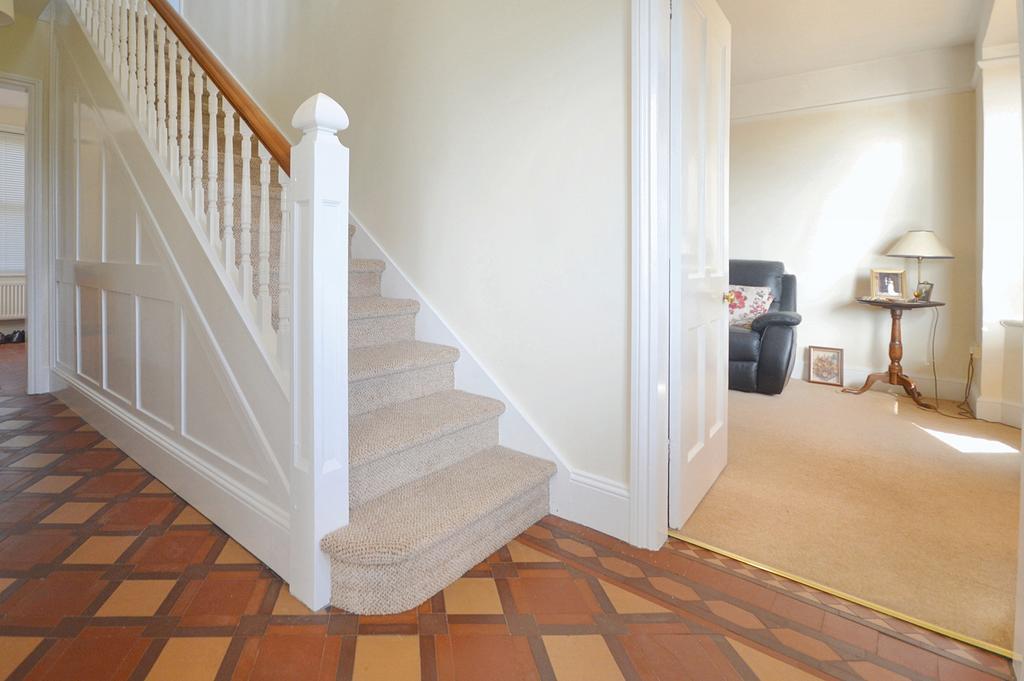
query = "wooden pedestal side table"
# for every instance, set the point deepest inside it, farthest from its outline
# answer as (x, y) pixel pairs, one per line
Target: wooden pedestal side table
(895, 375)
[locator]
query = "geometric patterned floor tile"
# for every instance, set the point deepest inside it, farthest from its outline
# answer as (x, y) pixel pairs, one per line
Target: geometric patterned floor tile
(113, 576)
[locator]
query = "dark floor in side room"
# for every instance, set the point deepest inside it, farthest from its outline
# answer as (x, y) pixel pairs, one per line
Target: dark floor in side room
(106, 574)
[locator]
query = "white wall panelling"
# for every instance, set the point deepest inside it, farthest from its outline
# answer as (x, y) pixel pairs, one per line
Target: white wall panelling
(151, 344)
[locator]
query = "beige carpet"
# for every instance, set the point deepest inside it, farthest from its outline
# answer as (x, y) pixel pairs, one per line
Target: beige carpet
(869, 495)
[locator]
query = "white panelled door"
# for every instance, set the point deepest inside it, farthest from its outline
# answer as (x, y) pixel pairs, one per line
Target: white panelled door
(699, 216)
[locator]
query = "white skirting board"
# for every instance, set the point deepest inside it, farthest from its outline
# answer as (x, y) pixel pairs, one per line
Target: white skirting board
(589, 500)
(854, 377)
(1009, 413)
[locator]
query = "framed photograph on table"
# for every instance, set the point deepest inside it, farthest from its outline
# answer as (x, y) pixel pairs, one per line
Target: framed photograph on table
(826, 365)
(889, 284)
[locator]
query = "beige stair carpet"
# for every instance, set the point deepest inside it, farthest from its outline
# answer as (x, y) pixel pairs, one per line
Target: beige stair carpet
(431, 491)
(876, 498)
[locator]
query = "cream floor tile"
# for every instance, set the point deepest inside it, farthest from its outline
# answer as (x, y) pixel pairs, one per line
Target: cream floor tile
(100, 550)
(6, 582)
(105, 444)
(387, 658)
(19, 441)
(127, 465)
(13, 651)
(234, 554)
(473, 596)
(73, 512)
(286, 604)
(581, 658)
(37, 460)
(190, 516)
(766, 667)
(136, 598)
(53, 484)
(14, 424)
(628, 603)
(521, 553)
(155, 487)
(195, 659)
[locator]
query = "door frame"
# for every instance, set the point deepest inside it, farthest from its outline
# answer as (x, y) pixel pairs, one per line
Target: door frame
(37, 237)
(651, 295)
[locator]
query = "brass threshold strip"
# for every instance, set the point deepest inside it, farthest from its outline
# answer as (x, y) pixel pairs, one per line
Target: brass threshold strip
(992, 648)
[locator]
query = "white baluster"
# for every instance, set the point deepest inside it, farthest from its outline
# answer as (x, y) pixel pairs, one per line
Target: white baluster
(117, 57)
(103, 45)
(108, 32)
(264, 252)
(229, 189)
(140, 48)
(245, 247)
(212, 211)
(186, 126)
(172, 107)
(197, 141)
(133, 50)
(161, 90)
(150, 27)
(284, 283)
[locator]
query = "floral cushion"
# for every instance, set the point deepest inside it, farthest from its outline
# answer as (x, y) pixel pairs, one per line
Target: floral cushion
(748, 303)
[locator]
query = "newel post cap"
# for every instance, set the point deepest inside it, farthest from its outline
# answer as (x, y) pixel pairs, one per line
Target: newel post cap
(320, 112)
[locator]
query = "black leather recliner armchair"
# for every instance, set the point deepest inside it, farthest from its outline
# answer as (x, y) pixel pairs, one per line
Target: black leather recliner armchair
(761, 357)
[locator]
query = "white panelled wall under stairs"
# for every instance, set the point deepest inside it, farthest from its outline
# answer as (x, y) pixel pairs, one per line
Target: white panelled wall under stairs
(202, 321)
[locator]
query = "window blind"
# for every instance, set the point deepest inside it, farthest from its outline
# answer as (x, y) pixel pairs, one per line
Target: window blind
(12, 203)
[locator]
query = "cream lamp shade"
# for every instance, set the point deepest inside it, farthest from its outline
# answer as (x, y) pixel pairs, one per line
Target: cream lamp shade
(920, 244)
(6, 12)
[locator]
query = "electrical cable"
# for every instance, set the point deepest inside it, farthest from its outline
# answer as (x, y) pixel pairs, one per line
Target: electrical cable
(964, 411)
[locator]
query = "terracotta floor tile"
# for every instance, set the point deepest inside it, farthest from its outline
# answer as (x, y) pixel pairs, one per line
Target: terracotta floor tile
(87, 462)
(52, 484)
(37, 460)
(100, 550)
(73, 513)
(674, 657)
(105, 444)
(221, 598)
(45, 601)
(93, 656)
(288, 658)
(136, 598)
(72, 441)
(173, 551)
(628, 603)
(473, 596)
(581, 658)
(111, 484)
(767, 667)
(921, 661)
(872, 672)
(23, 551)
(137, 513)
(561, 596)
(127, 465)
(492, 658)
(850, 632)
(14, 650)
(387, 658)
(192, 658)
(20, 509)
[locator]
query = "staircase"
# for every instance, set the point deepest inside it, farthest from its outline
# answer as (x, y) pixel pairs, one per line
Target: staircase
(432, 493)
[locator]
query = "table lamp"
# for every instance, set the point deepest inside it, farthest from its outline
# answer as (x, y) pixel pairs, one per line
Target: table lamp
(920, 244)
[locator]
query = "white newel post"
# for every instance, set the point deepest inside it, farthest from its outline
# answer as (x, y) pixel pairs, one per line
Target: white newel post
(319, 267)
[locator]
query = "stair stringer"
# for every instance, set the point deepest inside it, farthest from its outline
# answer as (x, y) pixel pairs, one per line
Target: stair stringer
(225, 447)
(576, 495)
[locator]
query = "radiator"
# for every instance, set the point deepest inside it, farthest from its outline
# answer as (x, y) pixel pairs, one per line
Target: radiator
(12, 298)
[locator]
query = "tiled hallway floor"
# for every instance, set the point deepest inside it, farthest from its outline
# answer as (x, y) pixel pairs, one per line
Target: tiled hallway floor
(105, 574)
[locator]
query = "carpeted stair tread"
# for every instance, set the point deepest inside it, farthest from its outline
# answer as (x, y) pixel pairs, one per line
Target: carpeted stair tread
(393, 358)
(407, 521)
(365, 265)
(371, 307)
(384, 432)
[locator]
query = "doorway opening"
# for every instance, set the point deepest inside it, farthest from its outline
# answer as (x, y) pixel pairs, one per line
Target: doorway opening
(860, 496)
(14, 149)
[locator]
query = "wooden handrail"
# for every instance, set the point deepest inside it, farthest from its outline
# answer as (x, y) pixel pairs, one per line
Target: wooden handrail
(262, 127)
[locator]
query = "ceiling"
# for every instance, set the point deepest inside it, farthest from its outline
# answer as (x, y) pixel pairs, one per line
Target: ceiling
(782, 37)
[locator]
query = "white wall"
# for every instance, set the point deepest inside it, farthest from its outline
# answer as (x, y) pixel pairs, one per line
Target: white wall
(1002, 238)
(490, 161)
(829, 191)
